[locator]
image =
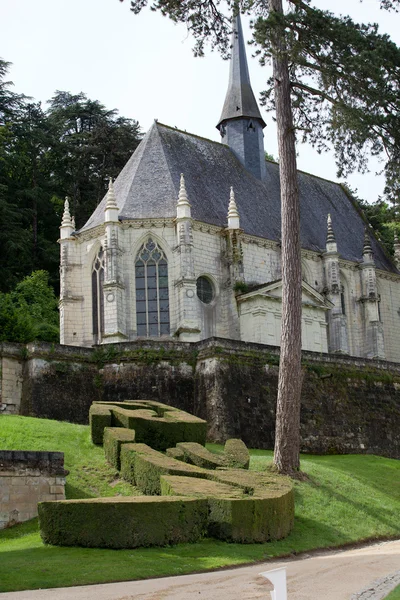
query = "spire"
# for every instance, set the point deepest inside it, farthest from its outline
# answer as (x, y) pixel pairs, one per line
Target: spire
(111, 207)
(240, 100)
(66, 218)
(183, 206)
(331, 245)
(367, 249)
(233, 215)
(67, 223)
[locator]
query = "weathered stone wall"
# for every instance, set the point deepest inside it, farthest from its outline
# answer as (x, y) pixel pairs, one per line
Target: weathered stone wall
(11, 377)
(27, 478)
(348, 404)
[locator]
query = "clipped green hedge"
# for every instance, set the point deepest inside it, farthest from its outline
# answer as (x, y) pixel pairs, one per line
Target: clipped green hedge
(126, 522)
(158, 425)
(113, 439)
(244, 507)
(175, 453)
(196, 454)
(143, 466)
(236, 454)
(100, 417)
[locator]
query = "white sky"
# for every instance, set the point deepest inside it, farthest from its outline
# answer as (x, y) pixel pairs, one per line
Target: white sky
(143, 66)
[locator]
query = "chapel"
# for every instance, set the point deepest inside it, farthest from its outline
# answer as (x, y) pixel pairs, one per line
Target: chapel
(186, 246)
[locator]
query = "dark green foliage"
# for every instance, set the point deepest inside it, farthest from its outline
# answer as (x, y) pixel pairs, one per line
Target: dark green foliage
(113, 439)
(127, 522)
(30, 312)
(143, 466)
(99, 418)
(236, 454)
(69, 149)
(196, 454)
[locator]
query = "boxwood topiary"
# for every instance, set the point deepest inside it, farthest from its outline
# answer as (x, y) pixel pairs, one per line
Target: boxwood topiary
(236, 454)
(113, 439)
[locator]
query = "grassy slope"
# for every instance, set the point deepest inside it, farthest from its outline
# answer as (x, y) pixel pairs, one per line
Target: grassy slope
(347, 499)
(395, 595)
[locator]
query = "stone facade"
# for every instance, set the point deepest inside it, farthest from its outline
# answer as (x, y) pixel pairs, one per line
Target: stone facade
(217, 270)
(27, 478)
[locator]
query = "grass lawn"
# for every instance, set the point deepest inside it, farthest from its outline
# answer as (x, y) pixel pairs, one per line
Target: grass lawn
(347, 499)
(395, 595)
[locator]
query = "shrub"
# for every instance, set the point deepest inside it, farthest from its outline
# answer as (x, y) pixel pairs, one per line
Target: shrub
(236, 454)
(100, 417)
(113, 439)
(196, 454)
(143, 466)
(126, 522)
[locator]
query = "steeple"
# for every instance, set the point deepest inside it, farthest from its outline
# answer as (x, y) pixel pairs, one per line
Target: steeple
(233, 215)
(241, 123)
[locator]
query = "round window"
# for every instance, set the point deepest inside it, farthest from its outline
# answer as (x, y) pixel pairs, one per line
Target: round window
(205, 291)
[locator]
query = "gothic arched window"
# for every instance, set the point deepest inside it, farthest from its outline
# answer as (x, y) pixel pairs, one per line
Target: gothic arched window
(152, 302)
(98, 296)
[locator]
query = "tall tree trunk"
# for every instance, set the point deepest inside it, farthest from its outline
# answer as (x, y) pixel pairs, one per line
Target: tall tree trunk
(287, 430)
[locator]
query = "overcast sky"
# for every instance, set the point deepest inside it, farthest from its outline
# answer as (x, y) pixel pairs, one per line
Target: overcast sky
(143, 66)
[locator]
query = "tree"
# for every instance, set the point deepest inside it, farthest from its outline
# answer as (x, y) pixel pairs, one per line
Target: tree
(89, 144)
(297, 43)
(30, 312)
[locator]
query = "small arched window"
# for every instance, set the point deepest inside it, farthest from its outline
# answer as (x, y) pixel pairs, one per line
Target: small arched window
(152, 298)
(98, 296)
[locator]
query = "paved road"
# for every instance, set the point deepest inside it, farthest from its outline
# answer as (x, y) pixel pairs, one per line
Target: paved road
(322, 576)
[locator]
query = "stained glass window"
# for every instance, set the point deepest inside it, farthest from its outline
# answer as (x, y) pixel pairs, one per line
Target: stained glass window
(152, 298)
(205, 291)
(98, 296)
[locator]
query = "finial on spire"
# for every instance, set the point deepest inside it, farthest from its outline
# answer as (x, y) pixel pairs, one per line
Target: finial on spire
(111, 207)
(367, 248)
(183, 207)
(111, 201)
(330, 233)
(233, 214)
(67, 224)
(66, 218)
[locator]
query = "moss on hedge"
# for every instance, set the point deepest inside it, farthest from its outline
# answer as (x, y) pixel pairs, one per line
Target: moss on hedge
(99, 418)
(113, 439)
(236, 454)
(158, 425)
(196, 454)
(126, 522)
(143, 466)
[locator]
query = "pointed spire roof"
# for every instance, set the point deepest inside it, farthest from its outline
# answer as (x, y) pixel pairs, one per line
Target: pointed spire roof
(240, 100)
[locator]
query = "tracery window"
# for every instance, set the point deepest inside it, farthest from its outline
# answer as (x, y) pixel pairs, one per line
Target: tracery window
(98, 296)
(152, 299)
(204, 289)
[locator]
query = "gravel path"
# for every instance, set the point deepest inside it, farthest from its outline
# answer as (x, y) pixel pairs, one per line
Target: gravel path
(339, 575)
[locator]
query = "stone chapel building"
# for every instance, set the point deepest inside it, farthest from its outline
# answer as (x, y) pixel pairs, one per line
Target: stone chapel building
(186, 245)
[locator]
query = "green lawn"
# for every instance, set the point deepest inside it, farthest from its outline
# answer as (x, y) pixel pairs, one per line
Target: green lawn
(347, 499)
(395, 595)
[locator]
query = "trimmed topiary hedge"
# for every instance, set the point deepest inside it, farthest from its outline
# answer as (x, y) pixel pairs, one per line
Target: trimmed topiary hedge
(243, 507)
(113, 439)
(143, 466)
(236, 454)
(196, 454)
(123, 522)
(155, 424)
(100, 417)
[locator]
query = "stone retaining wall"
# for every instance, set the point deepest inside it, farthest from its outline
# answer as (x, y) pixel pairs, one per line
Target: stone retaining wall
(349, 405)
(27, 478)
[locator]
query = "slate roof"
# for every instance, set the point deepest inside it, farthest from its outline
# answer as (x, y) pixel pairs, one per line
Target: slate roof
(148, 187)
